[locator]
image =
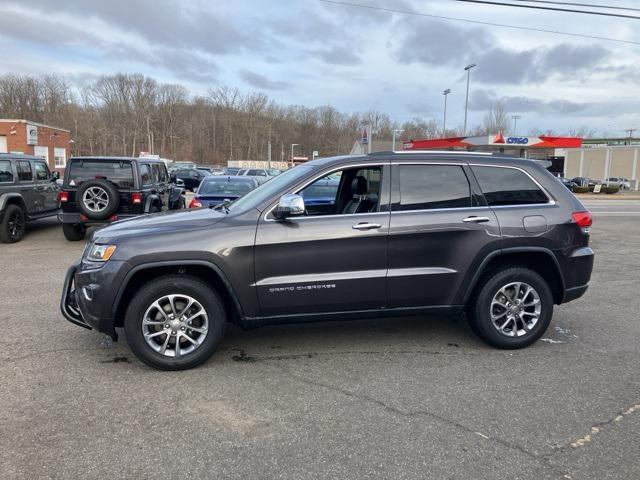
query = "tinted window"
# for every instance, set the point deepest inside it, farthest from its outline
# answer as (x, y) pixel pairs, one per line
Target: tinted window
(6, 175)
(145, 174)
(159, 173)
(24, 171)
(433, 186)
(119, 173)
(42, 171)
(225, 187)
(257, 173)
(508, 186)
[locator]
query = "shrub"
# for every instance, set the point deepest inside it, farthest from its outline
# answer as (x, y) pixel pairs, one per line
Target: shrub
(579, 189)
(611, 188)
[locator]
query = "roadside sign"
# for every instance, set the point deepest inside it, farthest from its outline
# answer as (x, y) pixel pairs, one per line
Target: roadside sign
(597, 188)
(365, 136)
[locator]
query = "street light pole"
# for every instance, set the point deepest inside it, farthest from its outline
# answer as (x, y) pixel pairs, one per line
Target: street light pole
(515, 124)
(293, 145)
(393, 143)
(444, 119)
(466, 103)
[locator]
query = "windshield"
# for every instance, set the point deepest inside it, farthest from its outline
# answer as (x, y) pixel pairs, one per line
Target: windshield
(225, 187)
(264, 192)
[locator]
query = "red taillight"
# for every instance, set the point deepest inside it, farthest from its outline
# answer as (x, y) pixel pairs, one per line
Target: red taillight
(136, 198)
(63, 197)
(195, 203)
(583, 219)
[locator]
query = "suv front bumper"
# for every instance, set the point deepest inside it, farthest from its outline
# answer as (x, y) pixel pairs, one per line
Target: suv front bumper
(86, 299)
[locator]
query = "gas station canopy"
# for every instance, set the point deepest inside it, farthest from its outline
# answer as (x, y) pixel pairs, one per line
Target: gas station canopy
(496, 142)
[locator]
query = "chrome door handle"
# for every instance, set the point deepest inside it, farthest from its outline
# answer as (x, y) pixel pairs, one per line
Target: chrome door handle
(474, 219)
(366, 226)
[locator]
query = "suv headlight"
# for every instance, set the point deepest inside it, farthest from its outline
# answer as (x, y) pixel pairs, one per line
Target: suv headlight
(100, 253)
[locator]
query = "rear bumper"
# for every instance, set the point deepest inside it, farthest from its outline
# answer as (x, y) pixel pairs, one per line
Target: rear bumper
(580, 266)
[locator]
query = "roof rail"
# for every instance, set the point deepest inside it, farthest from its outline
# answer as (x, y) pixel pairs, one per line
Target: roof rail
(441, 152)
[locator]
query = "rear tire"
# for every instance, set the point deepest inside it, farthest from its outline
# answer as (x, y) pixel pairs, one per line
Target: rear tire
(13, 224)
(159, 314)
(74, 233)
(515, 298)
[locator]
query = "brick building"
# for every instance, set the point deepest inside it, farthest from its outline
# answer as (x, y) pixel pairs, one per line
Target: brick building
(24, 136)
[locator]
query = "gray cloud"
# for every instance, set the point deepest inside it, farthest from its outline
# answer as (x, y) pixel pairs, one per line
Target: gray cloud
(482, 100)
(338, 56)
(565, 58)
(260, 81)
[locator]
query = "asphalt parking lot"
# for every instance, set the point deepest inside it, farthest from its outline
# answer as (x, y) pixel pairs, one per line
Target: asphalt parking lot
(394, 398)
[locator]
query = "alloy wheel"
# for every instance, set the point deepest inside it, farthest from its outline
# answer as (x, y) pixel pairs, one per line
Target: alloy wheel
(16, 224)
(175, 325)
(515, 309)
(95, 199)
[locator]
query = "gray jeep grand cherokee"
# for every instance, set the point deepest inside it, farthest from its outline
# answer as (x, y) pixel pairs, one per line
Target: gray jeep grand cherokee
(413, 233)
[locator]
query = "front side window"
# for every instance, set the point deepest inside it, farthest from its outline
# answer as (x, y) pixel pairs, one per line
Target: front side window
(508, 186)
(346, 192)
(427, 187)
(42, 171)
(6, 175)
(24, 171)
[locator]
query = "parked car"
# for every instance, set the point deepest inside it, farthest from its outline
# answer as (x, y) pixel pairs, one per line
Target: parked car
(191, 177)
(231, 171)
(567, 183)
(417, 233)
(584, 182)
(28, 191)
(260, 174)
(273, 172)
(101, 190)
(217, 189)
(622, 182)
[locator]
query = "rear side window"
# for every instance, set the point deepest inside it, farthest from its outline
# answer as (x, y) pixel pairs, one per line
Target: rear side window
(508, 186)
(425, 187)
(145, 174)
(42, 171)
(118, 173)
(257, 173)
(6, 175)
(24, 171)
(159, 173)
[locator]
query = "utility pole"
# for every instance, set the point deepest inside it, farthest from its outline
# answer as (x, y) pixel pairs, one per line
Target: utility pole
(269, 150)
(515, 124)
(393, 143)
(444, 119)
(466, 103)
(630, 130)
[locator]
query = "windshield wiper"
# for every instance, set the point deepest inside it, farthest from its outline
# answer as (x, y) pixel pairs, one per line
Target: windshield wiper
(222, 206)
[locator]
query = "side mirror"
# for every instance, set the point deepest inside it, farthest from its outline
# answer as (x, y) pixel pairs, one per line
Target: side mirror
(290, 205)
(55, 175)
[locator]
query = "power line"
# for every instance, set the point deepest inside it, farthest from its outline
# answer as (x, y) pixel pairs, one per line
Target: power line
(466, 20)
(553, 9)
(573, 4)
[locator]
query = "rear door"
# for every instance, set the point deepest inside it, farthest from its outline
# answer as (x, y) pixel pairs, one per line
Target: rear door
(161, 179)
(439, 226)
(46, 188)
(27, 185)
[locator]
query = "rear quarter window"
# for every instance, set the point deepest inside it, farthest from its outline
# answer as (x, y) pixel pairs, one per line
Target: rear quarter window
(508, 186)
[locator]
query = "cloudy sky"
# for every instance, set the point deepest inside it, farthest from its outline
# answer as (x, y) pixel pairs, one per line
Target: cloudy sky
(315, 53)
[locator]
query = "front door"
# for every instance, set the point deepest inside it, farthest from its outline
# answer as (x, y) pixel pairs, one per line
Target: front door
(439, 226)
(26, 183)
(46, 188)
(335, 257)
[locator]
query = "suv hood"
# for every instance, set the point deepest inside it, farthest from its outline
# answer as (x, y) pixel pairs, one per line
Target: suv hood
(158, 223)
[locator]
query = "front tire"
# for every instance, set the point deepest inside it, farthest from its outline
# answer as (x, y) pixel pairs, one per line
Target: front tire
(13, 224)
(512, 308)
(74, 233)
(175, 322)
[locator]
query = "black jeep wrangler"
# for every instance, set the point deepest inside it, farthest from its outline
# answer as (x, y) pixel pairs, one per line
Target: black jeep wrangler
(28, 191)
(99, 190)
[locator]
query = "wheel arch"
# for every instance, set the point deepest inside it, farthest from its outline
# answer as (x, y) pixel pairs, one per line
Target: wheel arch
(206, 271)
(12, 198)
(539, 259)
